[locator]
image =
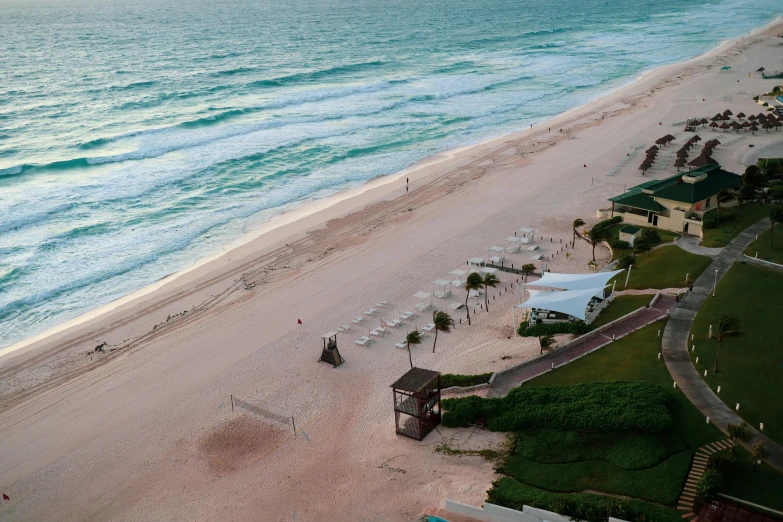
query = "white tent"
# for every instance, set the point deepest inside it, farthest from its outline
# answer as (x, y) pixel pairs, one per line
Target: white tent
(496, 254)
(427, 300)
(476, 261)
(441, 288)
(460, 281)
(570, 302)
(526, 231)
(575, 281)
(514, 244)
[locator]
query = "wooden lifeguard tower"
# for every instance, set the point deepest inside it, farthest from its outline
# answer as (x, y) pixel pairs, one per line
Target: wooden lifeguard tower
(417, 402)
(329, 351)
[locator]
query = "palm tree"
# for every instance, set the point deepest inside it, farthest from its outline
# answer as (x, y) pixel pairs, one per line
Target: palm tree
(442, 322)
(737, 432)
(546, 342)
(729, 326)
(473, 282)
(489, 281)
(758, 453)
(412, 338)
(626, 261)
(528, 269)
(594, 236)
(745, 193)
(774, 217)
(722, 196)
(577, 223)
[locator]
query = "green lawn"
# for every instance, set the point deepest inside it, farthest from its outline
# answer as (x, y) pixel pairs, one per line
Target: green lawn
(548, 463)
(751, 366)
(614, 234)
(664, 267)
(765, 250)
(621, 306)
(727, 230)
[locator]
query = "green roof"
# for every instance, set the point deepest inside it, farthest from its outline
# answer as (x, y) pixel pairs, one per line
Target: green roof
(630, 229)
(675, 189)
(638, 200)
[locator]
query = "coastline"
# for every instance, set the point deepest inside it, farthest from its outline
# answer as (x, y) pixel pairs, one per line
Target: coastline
(294, 223)
(127, 433)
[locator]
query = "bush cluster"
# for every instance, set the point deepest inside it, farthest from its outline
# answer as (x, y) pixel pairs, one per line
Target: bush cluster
(710, 219)
(622, 406)
(616, 243)
(513, 494)
(606, 223)
(629, 451)
(541, 329)
(447, 380)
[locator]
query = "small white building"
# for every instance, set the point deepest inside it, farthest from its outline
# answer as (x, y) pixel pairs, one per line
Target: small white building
(629, 233)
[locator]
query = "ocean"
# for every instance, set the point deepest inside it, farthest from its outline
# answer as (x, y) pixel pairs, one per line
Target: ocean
(138, 137)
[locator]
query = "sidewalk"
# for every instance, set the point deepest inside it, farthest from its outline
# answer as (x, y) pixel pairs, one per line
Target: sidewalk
(675, 344)
(504, 383)
(691, 244)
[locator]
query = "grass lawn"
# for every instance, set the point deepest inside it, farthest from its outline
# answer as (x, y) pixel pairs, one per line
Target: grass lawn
(751, 365)
(621, 306)
(664, 267)
(749, 214)
(541, 471)
(766, 251)
(614, 234)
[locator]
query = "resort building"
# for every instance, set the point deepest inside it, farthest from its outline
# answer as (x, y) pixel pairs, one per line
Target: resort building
(676, 203)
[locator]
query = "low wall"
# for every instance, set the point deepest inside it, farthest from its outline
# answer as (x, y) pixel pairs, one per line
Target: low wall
(493, 513)
(762, 262)
(465, 389)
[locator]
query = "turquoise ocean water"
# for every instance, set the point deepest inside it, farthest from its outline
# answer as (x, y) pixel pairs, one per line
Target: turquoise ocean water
(137, 137)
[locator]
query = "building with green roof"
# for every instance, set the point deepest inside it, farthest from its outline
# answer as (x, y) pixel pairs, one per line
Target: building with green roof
(676, 203)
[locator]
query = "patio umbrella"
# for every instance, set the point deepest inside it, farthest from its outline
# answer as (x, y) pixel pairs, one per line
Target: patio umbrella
(682, 154)
(741, 115)
(724, 126)
(760, 69)
(713, 125)
(652, 149)
(645, 166)
(704, 121)
(694, 139)
(753, 128)
(659, 141)
(727, 112)
(745, 124)
(752, 117)
(761, 115)
(715, 142)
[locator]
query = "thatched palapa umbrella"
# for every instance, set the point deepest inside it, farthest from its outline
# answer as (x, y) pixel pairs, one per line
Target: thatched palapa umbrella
(753, 129)
(652, 149)
(741, 115)
(645, 166)
(694, 139)
(713, 125)
(727, 112)
(745, 124)
(724, 126)
(701, 161)
(752, 117)
(680, 162)
(682, 154)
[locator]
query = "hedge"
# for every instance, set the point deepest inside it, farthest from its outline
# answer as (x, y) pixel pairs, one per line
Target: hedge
(565, 327)
(511, 493)
(622, 406)
(661, 483)
(447, 380)
(629, 451)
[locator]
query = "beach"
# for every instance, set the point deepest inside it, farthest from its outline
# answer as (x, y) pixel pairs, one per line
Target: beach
(142, 428)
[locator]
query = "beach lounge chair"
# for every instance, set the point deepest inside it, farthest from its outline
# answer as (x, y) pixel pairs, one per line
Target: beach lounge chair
(429, 327)
(360, 342)
(403, 344)
(456, 306)
(394, 323)
(358, 319)
(370, 311)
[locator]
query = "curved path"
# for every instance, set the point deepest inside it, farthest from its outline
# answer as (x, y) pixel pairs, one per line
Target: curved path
(691, 244)
(675, 344)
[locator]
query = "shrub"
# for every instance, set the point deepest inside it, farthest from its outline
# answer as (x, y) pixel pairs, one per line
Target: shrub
(651, 235)
(566, 327)
(616, 243)
(513, 494)
(629, 451)
(621, 406)
(626, 261)
(447, 380)
(721, 462)
(707, 486)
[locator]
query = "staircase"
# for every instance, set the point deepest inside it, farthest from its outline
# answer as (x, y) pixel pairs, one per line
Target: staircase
(698, 467)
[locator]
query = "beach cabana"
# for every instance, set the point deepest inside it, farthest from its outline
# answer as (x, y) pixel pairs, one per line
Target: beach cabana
(741, 115)
(489, 270)
(417, 403)
(496, 255)
(513, 244)
(527, 233)
(727, 112)
(426, 301)
(476, 262)
(441, 288)
(459, 278)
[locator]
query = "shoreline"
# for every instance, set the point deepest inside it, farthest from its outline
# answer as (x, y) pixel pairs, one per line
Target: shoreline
(305, 216)
(144, 429)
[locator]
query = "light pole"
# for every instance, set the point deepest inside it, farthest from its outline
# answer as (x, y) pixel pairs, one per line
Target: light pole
(714, 284)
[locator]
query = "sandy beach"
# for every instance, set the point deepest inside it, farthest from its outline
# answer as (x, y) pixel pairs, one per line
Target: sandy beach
(143, 428)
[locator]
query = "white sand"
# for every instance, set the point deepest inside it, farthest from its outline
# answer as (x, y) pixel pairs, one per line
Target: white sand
(146, 432)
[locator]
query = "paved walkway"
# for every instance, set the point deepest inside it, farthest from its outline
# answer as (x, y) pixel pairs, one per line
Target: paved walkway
(505, 382)
(675, 344)
(698, 467)
(691, 244)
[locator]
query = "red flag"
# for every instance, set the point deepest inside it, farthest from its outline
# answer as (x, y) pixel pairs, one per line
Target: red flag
(299, 321)
(6, 497)
(585, 165)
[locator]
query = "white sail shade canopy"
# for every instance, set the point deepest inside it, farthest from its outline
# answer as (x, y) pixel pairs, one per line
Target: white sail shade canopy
(575, 281)
(571, 302)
